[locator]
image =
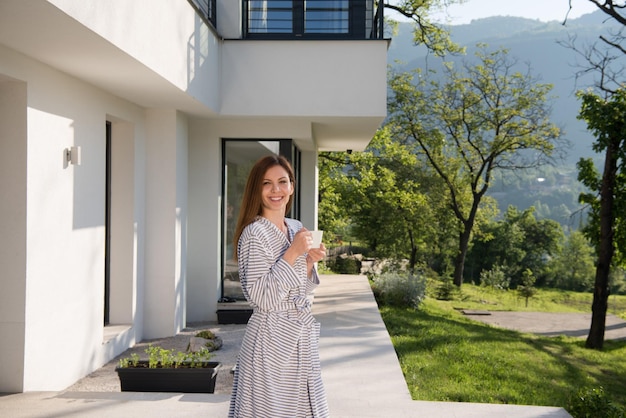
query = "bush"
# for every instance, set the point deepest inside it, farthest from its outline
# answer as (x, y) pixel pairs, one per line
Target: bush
(446, 290)
(593, 403)
(496, 278)
(206, 334)
(399, 289)
(346, 265)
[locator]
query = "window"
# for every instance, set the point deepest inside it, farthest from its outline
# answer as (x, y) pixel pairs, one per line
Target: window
(330, 16)
(270, 16)
(316, 19)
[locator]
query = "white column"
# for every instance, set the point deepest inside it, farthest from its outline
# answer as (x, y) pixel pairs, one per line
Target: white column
(205, 183)
(166, 223)
(309, 189)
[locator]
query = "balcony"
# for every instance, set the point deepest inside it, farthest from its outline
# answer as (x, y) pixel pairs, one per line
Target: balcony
(207, 9)
(312, 19)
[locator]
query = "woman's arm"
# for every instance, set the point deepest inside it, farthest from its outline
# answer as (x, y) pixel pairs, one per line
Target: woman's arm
(265, 281)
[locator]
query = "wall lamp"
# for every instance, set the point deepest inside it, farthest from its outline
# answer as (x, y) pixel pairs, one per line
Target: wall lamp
(72, 155)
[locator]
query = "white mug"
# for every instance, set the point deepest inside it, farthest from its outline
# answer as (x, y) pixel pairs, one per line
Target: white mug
(317, 238)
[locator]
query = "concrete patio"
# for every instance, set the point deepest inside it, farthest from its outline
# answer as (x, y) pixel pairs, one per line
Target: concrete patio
(360, 369)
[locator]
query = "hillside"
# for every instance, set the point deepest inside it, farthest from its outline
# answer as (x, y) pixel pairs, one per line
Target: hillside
(528, 41)
(538, 44)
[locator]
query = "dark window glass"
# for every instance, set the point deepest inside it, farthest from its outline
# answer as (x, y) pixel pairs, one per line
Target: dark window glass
(314, 19)
(239, 155)
(270, 16)
(326, 16)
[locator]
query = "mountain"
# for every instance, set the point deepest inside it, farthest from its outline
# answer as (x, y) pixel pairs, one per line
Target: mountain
(529, 42)
(540, 45)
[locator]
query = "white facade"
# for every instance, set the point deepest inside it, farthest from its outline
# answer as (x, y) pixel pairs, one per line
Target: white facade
(171, 88)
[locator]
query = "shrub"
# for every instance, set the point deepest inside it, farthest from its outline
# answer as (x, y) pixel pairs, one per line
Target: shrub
(346, 265)
(206, 334)
(593, 403)
(496, 278)
(213, 342)
(399, 289)
(323, 267)
(446, 290)
(526, 289)
(159, 357)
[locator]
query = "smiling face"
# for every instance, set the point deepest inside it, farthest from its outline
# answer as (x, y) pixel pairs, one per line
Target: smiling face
(276, 191)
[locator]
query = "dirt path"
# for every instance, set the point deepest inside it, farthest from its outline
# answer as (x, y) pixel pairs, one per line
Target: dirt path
(550, 324)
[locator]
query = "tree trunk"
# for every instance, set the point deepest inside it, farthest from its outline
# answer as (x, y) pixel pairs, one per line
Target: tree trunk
(413, 260)
(413, 257)
(459, 262)
(464, 237)
(595, 339)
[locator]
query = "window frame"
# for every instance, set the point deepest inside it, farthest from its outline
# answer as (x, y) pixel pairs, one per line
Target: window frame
(357, 23)
(287, 148)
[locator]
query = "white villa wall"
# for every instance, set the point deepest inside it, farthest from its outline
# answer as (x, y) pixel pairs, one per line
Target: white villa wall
(64, 230)
(312, 78)
(172, 90)
(13, 209)
(166, 36)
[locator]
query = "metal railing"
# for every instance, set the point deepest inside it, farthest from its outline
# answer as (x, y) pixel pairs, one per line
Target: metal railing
(206, 9)
(378, 24)
(317, 19)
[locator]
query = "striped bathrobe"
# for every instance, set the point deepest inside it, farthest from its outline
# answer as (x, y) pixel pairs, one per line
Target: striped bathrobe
(278, 368)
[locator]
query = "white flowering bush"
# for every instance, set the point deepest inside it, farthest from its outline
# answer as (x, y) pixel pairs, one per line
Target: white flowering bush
(399, 289)
(496, 278)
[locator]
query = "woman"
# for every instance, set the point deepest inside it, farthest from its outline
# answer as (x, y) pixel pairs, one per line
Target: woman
(278, 369)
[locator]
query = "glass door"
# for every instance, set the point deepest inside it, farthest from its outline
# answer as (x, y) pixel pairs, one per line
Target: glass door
(238, 156)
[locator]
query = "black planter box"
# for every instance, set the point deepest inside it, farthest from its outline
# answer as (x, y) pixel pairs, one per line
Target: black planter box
(233, 316)
(182, 379)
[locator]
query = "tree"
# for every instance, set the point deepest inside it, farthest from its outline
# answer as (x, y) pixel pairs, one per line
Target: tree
(604, 60)
(335, 215)
(526, 289)
(573, 267)
(542, 240)
(606, 118)
(516, 242)
(488, 117)
(332, 216)
(388, 200)
(434, 37)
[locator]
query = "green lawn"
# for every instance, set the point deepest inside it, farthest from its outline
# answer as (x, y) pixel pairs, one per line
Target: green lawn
(448, 357)
(546, 300)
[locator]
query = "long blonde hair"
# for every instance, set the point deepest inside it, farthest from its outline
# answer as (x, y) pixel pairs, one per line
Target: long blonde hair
(252, 202)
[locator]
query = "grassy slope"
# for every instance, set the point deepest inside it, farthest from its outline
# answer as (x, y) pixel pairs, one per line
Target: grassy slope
(546, 300)
(448, 357)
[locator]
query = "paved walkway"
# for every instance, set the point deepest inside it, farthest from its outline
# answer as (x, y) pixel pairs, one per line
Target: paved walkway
(360, 369)
(551, 324)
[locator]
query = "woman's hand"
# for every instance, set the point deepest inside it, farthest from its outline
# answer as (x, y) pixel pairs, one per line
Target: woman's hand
(316, 254)
(300, 245)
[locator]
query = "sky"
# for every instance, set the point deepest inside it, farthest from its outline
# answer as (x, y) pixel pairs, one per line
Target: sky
(544, 10)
